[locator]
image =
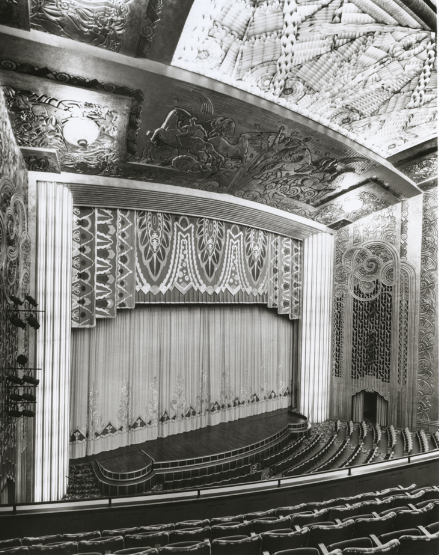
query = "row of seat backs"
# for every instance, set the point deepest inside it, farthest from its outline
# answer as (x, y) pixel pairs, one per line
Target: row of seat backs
(298, 457)
(308, 463)
(334, 458)
(274, 543)
(286, 451)
(159, 535)
(405, 496)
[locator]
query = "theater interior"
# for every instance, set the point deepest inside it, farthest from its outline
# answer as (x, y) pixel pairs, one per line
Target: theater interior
(219, 277)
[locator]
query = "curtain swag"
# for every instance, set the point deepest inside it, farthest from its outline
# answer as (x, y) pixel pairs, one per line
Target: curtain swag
(125, 257)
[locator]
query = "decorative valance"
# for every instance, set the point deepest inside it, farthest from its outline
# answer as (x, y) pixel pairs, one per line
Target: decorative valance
(126, 257)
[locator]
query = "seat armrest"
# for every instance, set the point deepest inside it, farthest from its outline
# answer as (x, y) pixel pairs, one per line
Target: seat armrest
(338, 521)
(375, 540)
(252, 534)
(424, 530)
(265, 553)
(376, 515)
(323, 549)
(297, 528)
(412, 506)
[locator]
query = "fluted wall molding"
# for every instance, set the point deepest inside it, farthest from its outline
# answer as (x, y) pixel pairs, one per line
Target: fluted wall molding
(54, 215)
(316, 330)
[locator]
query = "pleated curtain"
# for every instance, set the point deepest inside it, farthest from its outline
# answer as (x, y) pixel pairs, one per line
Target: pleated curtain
(382, 407)
(161, 370)
(358, 407)
(53, 287)
(316, 326)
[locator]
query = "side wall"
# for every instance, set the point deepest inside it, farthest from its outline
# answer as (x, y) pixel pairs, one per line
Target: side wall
(15, 434)
(385, 312)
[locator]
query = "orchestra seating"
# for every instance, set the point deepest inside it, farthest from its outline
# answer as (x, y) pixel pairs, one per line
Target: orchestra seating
(399, 521)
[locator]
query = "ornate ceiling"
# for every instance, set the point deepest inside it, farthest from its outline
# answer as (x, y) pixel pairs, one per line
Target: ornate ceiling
(315, 96)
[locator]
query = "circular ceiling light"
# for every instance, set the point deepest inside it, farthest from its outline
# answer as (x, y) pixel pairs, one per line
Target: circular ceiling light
(81, 131)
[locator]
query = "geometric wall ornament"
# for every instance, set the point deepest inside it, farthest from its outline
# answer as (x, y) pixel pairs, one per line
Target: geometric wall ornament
(375, 312)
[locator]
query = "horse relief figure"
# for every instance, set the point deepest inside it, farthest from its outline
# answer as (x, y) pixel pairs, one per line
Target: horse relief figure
(183, 143)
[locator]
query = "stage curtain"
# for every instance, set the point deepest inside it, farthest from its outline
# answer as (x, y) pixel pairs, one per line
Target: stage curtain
(53, 285)
(316, 326)
(382, 406)
(358, 407)
(161, 370)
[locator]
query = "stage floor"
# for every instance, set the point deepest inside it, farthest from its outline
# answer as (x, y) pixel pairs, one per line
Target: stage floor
(197, 443)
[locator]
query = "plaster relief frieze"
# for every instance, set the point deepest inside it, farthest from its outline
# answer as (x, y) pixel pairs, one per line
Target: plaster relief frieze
(86, 129)
(125, 26)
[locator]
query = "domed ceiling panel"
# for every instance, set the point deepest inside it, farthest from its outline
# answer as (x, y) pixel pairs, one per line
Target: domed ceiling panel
(365, 68)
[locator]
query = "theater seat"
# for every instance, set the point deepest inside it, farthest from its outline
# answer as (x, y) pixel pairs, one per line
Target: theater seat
(78, 537)
(390, 548)
(381, 525)
(433, 528)
(42, 539)
(310, 517)
(408, 519)
(353, 542)
(153, 539)
(286, 511)
(276, 540)
(103, 545)
(200, 548)
(230, 529)
(155, 528)
(119, 532)
(262, 525)
(396, 534)
(422, 545)
(15, 542)
(330, 534)
(189, 535)
(237, 545)
(58, 548)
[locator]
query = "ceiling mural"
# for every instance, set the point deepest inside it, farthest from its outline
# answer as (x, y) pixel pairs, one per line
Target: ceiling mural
(365, 68)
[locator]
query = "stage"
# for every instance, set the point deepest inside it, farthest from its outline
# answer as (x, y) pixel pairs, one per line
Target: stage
(202, 443)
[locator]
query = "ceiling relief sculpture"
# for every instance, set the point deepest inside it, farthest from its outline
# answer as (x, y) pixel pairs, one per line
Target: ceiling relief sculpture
(87, 132)
(365, 68)
(125, 26)
(277, 163)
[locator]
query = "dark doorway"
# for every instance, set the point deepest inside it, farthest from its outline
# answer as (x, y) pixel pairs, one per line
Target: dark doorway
(370, 406)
